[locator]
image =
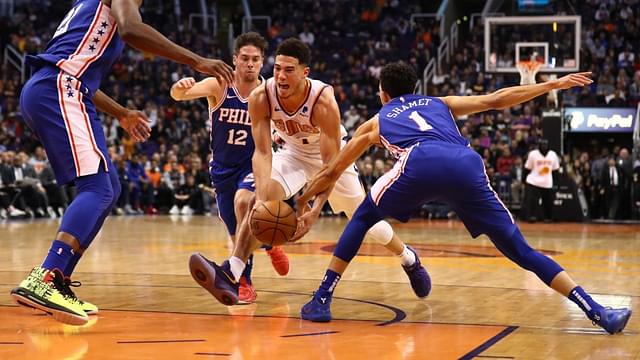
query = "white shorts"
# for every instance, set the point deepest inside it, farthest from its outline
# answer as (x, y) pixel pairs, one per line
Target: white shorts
(293, 171)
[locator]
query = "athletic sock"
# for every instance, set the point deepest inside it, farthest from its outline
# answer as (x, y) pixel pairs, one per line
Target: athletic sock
(585, 302)
(59, 256)
(71, 265)
(246, 274)
(407, 258)
(237, 267)
(328, 284)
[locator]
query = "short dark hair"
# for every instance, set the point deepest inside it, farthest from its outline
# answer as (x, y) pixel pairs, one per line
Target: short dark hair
(251, 38)
(295, 48)
(398, 79)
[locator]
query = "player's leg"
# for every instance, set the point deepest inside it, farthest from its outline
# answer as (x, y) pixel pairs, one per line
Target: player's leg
(396, 198)
(222, 281)
(75, 152)
(366, 216)
(347, 196)
(483, 213)
(88, 307)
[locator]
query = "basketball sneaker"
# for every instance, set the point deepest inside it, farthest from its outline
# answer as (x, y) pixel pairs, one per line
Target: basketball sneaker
(318, 309)
(45, 290)
(418, 276)
(246, 292)
(612, 320)
(217, 280)
(279, 260)
(88, 307)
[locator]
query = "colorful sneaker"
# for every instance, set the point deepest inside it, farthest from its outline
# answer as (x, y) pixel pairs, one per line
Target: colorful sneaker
(45, 290)
(418, 276)
(215, 279)
(279, 260)
(88, 307)
(318, 309)
(612, 320)
(246, 292)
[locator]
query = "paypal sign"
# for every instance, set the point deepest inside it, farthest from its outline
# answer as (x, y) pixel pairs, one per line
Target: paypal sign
(618, 120)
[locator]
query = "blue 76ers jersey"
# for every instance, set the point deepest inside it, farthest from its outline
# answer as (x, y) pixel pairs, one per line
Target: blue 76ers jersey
(85, 44)
(231, 141)
(411, 119)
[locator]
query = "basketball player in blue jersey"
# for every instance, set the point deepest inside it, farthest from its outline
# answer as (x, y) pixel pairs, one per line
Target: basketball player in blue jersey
(232, 144)
(436, 163)
(304, 113)
(60, 104)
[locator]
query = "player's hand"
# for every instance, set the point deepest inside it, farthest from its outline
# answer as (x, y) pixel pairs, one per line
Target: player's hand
(136, 124)
(186, 83)
(322, 182)
(307, 216)
(216, 68)
(576, 79)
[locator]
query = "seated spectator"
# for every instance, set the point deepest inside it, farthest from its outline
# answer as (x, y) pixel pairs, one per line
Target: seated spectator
(188, 198)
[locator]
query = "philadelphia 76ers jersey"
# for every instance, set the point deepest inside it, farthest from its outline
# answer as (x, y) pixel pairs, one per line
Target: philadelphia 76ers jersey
(231, 141)
(411, 119)
(85, 44)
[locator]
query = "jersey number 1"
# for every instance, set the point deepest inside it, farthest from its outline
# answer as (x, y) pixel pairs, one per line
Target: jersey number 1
(237, 137)
(422, 123)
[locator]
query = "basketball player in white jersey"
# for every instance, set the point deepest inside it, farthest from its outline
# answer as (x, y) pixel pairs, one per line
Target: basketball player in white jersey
(304, 113)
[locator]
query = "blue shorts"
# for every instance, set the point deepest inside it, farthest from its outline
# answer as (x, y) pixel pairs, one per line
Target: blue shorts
(447, 173)
(227, 181)
(60, 110)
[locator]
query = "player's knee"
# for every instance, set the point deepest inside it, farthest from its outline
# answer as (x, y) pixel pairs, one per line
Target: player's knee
(381, 232)
(244, 201)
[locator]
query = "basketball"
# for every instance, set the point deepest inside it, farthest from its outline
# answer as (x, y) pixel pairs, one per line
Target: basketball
(273, 222)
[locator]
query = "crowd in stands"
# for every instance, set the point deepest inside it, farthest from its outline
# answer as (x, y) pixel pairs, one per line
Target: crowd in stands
(350, 42)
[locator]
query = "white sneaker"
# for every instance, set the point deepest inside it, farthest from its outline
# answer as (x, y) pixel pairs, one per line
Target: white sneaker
(3, 214)
(51, 213)
(13, 212)
(186, 210)
(174, 210)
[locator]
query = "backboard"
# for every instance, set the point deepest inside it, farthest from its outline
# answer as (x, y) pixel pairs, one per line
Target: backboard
(552, 40)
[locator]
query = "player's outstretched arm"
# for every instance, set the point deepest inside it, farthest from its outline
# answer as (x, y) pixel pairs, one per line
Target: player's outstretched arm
(261, 132)
(504, 98)
(188, 89)
(134, 122)
(366, 135)
(145, 38)
(322, 184)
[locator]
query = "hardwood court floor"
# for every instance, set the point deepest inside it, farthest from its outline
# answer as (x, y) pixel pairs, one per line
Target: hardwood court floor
(481, 306)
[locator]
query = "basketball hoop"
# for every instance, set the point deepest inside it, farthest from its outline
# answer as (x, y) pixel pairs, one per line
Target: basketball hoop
(528, 71)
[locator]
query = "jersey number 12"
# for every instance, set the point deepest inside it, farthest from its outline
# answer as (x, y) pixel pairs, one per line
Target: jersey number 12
(238, 137)
(422, 123)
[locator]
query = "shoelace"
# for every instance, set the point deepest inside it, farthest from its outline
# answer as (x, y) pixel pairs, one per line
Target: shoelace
(68, 284)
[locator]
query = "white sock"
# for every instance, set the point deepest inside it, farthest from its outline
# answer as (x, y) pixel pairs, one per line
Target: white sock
(237, 267)
(407, 258)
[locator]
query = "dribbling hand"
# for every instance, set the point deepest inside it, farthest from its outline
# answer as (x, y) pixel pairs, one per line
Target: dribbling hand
(216, 68)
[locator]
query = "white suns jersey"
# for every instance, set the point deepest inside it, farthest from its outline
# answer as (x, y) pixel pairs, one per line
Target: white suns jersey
(295, 128)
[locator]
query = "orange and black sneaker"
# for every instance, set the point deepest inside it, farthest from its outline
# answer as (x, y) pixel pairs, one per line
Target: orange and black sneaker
(246, 293)
(279, 260)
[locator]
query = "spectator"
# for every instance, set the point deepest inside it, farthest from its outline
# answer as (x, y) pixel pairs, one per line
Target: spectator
(541, 163)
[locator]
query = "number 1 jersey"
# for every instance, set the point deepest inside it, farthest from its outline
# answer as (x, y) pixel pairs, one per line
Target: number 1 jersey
(411, 119)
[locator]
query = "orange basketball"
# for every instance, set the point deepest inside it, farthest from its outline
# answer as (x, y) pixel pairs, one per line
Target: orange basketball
(273, 222)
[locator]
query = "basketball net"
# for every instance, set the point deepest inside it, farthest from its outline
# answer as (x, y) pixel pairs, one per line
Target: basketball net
(528, 71)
